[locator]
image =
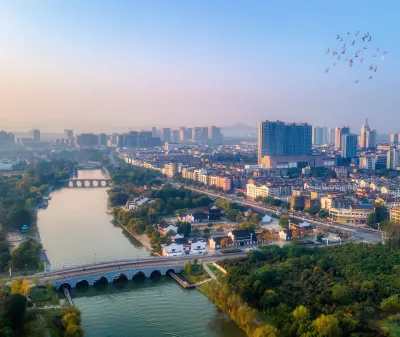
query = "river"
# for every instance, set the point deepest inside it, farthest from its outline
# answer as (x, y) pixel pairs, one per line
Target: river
(75, 229)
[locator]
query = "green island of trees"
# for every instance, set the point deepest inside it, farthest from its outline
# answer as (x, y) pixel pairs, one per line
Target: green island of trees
(344, 290)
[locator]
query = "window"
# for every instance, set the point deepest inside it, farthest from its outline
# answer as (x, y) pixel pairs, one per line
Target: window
(173, 249)
(198, 247)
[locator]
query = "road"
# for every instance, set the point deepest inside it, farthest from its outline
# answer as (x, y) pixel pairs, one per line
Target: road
(359, 234)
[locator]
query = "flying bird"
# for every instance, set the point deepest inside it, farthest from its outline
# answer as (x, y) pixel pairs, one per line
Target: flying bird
(341, 40)
(361, 60)
(326, 71)
(374, 55)
(338, 57)
(338, 37)
(335, 52)
(370, 78)
(356, 81)
(327, 51)
(377, 49)
(356, 55)
(334, 64)
(383, 57)
(357, 33)
(348, 33)
(354, 42)
(385, 52)
(370, 38)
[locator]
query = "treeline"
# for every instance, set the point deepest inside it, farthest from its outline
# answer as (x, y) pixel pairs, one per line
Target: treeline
(244, 316)
(195, 183)
(165, 201)
(331, 291)
(270, 201)
(129, 181)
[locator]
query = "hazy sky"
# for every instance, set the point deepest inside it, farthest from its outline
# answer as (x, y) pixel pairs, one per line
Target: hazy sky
(99, 65)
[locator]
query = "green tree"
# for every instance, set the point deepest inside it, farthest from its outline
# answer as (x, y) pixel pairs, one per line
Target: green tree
(17, 310)
(284, 221)
(327, 326)
(301, 313)
(341, 294)
(323, 213)
(188, 267)
(391, 304)
(265, 331)
(149, 229)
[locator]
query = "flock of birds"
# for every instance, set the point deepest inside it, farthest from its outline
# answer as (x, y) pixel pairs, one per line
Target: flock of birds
(352, 51)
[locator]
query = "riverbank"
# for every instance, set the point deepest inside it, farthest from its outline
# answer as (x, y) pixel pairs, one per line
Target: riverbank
(142, 238)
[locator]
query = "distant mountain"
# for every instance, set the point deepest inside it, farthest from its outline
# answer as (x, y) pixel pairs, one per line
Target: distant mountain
(239, 130)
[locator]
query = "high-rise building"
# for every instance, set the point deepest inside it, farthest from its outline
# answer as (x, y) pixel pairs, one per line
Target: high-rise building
(175, 135)
(68, 134)
(86, 140)
(196, 133)
(165, 134)
(318, 135)
(102, 139)
(393, 159)
(394, 139)
(7, 140)
(214, 134)
(154, 132)
(339, 132)
(284, 139)
(349, 145)
(204, 133)
(330, 135)
(138, 139)
(35, 135)
(367, 137)
(183, 134)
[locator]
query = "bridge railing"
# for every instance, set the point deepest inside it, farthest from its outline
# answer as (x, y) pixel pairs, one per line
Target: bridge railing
(115, 262)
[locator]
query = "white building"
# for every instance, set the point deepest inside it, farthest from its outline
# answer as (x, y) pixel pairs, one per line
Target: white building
(367, 162)
(172, 249)
(197, 246)
(6, 167)
(170, 169)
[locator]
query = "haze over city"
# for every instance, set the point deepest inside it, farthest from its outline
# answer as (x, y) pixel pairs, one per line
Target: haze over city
(102, 66)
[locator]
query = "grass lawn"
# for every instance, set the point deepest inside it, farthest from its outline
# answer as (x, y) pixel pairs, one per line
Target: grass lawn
(393, 327)
(265, 318)
(216, 271)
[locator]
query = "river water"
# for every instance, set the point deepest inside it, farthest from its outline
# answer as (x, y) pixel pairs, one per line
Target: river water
(75, 229)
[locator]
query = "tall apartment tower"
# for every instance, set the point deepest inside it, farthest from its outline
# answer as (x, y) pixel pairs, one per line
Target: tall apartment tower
(393, 159)
(284, 139)
(319, 135)
(394, 139)
(35, 134)
(349, 145)
(339, 132)
(68, 134)
(165, 134)
(367, 137)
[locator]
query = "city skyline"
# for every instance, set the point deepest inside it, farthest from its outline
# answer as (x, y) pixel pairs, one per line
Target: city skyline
(102, 67)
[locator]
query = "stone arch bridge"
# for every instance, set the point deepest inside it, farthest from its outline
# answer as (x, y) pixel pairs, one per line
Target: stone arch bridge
(111, 271)
(101, 182)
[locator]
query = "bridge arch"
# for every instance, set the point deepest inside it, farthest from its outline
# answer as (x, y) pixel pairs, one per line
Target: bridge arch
(120, 276)
(139, 274)
(87, 183)
(104, 183)
(82, 283)
(65, 284)
(79, 183)
(171, 270)
(101, 279)
(156, 273)
(71, 183)
(95, 183)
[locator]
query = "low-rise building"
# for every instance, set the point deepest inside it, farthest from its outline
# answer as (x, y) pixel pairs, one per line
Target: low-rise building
(241, 237)
(355, 213)
(285, 234)
(395, 214)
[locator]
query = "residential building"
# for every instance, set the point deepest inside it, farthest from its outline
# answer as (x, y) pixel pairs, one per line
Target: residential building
(165, 134)
(214, 213)
(214, 134)
(241, 237)
(102, 139)
(215, 242)
(197, 246)
(330, 136)
(173, 249)
(170, 169)
(283, 139)
(349, 145)
(393, 159)
(395, 139)
(367, 162)
(7, 140)
(138, 139)
(286, 234)
(355, 213)
(165, 226)
(154, 132)
(86, 140)
(35, 135)
(319, 135)
(339, 132)
(367, 137)
(68, 134)
(395, 214)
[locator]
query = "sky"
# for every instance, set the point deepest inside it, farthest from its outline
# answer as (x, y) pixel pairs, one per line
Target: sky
(116, 65)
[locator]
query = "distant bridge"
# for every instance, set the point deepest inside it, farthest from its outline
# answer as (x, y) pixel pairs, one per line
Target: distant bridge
(110, 271)
(81, 182)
